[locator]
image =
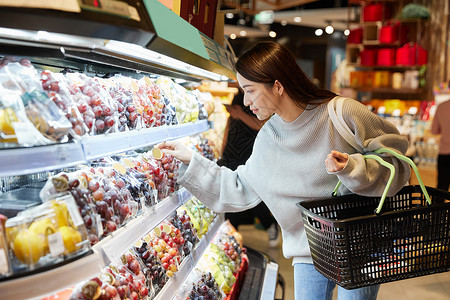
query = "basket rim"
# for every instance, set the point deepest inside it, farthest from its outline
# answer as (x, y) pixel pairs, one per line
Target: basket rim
(383, 214)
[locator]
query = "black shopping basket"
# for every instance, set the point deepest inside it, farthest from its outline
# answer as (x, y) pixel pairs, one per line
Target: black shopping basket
(354, 246)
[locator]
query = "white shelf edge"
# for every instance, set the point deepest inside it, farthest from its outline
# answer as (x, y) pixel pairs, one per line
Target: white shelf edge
(119, 241)
(23, 161)
(270, 281)
(44, 283)
(125, 141)
(174, 284)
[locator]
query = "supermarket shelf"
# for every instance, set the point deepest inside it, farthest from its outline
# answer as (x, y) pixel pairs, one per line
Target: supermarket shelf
(270, 281)
(43, 283)
(175, 283)
(22, 161)
(113, 246)
(389, 90)
(386, 68)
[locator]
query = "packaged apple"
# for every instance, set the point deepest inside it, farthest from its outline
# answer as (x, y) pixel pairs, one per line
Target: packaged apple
(56, 88)
(5, 268)
(200, 285)
(40, 110)
(181, 220)
(153, 269)
(102, 117)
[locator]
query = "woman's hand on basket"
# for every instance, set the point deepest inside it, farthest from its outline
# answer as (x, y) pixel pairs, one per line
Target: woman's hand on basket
(177, 149)
(336, 161)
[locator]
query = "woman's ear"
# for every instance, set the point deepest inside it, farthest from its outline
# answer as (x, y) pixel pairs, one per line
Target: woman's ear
(278, 87)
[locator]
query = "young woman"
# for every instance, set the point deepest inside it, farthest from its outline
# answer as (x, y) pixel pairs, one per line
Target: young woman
(298, 154)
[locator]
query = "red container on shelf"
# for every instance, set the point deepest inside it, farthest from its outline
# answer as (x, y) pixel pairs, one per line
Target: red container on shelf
(355, 36)
(411, 55)
(386, 57)
(375, 12)
(389, 33)
(368, 57)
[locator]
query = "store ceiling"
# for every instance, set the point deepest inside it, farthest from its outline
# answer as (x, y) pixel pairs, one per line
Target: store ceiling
(316, 14)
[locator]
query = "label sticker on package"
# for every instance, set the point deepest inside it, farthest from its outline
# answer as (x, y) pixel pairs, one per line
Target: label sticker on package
(73, 210)
(3, 262)
(56, 244)
(98, 221)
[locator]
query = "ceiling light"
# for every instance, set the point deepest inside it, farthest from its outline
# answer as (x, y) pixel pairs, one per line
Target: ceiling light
(329, 29)
(283, 23)
(241, 22)
(272, 34)
(229, 15)
(232, 36)
(297, 19)
(319, 32)
(243, 33)
(346, 32)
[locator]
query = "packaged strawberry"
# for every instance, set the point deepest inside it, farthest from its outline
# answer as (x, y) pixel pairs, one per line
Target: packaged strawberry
(102, 117)
(55, 86)
(153, 269)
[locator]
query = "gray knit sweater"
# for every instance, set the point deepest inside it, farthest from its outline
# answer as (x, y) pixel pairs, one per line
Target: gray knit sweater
(287, 166)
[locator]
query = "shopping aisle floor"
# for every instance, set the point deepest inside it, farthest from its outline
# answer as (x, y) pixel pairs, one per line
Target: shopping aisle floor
(432, 287)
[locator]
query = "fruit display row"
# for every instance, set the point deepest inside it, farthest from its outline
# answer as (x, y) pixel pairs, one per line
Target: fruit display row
(144, 269)
(215, 274)
(42, 107)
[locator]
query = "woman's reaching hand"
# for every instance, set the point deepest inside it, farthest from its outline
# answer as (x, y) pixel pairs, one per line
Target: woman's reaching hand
(177, 149)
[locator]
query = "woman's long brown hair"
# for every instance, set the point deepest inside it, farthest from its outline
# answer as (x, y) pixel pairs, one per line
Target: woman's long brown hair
(266, 62)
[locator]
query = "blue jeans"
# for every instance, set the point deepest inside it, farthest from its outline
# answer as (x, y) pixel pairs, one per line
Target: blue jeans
(311, 285)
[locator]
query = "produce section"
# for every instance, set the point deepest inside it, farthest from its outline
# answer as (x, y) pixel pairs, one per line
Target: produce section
(100, 211)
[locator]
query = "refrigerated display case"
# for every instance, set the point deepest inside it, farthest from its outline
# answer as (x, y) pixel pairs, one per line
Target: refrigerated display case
(135, 39)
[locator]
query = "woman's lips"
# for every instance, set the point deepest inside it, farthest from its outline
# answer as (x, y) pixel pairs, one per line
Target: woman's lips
(254, 110)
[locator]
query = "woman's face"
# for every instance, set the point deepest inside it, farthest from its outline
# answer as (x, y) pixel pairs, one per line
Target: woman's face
(262, 100)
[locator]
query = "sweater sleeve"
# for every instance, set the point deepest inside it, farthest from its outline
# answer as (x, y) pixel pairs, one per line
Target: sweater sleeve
(219, 188)
(367, 176)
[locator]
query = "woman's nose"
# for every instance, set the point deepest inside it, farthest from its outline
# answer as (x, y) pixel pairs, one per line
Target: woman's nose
(247, 102)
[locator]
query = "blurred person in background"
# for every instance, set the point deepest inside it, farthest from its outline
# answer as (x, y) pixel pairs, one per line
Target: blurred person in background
(441, 126)
(240, 133)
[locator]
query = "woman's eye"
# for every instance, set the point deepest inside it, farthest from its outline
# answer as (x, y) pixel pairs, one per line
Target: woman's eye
(249, 92)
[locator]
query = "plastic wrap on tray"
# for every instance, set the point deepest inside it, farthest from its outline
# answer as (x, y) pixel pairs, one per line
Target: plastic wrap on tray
(123, 279)
(56, 87)
(94, 102)
(185, 102)
(46, 234)
(181, 220)
(39, 109)
(103, 201)
(153, 269)
(5, 267)
(200, 285)
(128, 104)
(168, 243)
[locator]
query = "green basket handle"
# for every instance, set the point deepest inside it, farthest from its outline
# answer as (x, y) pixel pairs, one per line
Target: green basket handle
(413, 166)
(391, 177)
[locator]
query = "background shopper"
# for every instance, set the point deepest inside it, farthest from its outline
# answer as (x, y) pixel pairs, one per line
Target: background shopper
(240, 133)
(441, 125)
(298, 154)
